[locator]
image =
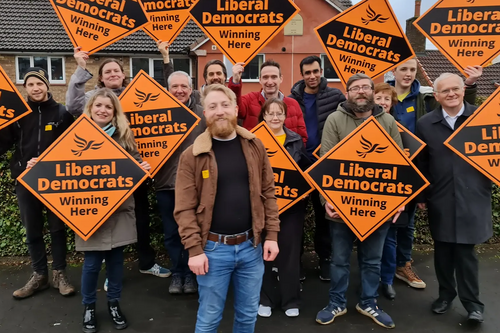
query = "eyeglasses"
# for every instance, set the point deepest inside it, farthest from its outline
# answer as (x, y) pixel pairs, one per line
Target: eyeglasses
(455, 90)
(272, 115)
(358, 88)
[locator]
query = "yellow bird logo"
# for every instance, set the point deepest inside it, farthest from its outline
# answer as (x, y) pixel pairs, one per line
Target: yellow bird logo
(143, 97)
(84, 145)
(373, 17)
(369, 148)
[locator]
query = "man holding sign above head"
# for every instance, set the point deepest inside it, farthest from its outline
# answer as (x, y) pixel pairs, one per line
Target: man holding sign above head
(458, 200)
(414, 102)
(249, 105)
(183, 281)
(112, 76)
(225, 204)
(352, 113)
(317, 101)
(31, 135)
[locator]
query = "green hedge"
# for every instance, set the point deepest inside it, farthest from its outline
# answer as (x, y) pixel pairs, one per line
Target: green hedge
(13, 234)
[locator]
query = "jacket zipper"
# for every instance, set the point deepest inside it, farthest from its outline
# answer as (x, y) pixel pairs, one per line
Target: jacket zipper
(39, 130)
(20, 144)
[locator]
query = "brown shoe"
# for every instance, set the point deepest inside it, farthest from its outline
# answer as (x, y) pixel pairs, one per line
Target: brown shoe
(37, 282)
(60, 281)
(408, 275)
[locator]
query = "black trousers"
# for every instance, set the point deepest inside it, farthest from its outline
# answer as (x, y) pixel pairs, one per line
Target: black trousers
(286, 291)
(322, 238)
(457, 266)
(32, 218)
(145, 252)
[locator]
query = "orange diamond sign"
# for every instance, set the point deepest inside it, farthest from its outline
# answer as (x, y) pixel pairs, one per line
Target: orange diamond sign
(12, 104)
(366, 38)
(291, 183)
(467, 32)
(477, 141)
(241, 28)
(83, 177)
(95, 24)
(159, 121)
(366, 177)
(167, 18)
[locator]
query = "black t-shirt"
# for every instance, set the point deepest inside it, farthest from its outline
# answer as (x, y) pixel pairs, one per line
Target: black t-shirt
(232, 213)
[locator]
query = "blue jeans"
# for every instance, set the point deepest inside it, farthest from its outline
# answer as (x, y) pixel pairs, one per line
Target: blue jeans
(114, 272)
(242, 265)
(404, 239)
(179, 257)
(388, 264)
(369, 256)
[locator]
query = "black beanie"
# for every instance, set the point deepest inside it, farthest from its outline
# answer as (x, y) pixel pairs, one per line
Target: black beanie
(39, 73)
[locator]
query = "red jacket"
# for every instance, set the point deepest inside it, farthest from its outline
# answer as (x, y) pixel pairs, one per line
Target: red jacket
(249, 107)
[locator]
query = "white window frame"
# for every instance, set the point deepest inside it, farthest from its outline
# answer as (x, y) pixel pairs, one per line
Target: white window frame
(20, 80)
(151, 63)
(227, 62)
(322, 57)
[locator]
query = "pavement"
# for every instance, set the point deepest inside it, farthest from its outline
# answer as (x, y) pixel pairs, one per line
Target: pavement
(150, 308)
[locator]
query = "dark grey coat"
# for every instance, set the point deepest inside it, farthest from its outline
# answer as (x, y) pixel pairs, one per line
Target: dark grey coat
(459, 196)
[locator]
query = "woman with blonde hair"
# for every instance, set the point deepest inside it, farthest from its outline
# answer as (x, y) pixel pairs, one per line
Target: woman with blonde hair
(119, 229)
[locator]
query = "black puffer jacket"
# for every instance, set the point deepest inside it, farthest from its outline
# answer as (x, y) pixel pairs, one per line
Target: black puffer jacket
(327, 100)
(34, 133)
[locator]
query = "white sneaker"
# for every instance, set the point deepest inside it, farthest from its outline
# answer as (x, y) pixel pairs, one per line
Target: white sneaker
(292, 312)
(265, 311)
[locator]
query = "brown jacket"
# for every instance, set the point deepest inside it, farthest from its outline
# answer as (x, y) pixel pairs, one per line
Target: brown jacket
(195, 191)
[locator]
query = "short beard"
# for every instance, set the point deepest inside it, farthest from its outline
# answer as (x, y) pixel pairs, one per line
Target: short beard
(222, 131)
(369, 106)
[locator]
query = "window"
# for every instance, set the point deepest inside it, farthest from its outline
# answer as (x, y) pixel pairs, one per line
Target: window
(53, 65)
(252, 69)
(328, 70)
(154, 67)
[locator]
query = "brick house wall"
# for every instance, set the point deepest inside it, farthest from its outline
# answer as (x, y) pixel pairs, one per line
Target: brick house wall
(8, 63)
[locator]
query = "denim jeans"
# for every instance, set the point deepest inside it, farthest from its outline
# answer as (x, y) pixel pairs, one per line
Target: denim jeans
(243, 266)
(179, 257)
(404, 239)
(114, 272)
(388, 264)
(369, 256)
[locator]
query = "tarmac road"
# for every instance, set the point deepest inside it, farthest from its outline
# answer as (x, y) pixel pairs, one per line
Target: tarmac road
(151, 309)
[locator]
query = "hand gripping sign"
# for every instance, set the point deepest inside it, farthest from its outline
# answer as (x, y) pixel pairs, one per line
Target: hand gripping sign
(366, 177)
(167, 18)
(241, 28)
(83, 177)
(477, 141)
(467, 32)
(366, 38)
(411, 143)
(159, 121)
(95, 24)
(12, 104)
(291, 183)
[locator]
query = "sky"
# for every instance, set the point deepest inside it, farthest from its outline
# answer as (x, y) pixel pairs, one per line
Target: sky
(404, 9)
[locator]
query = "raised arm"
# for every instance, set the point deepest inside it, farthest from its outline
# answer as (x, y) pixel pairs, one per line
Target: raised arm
(75, 95)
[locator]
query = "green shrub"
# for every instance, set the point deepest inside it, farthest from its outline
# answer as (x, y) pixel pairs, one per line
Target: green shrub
(13, 236)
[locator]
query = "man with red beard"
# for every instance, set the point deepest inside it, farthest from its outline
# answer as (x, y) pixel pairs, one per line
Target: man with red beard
(225, 200)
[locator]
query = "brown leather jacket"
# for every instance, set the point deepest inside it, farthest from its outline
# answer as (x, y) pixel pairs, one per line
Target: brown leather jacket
(196, 186)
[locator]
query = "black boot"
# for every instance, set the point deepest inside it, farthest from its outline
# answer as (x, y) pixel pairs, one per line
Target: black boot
(117, 316)
(89, 320)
